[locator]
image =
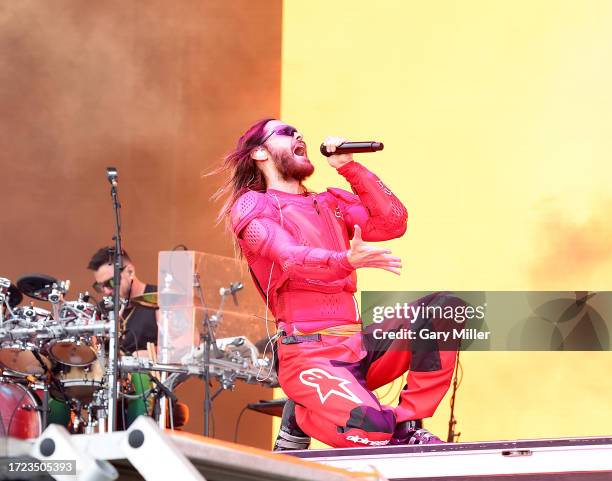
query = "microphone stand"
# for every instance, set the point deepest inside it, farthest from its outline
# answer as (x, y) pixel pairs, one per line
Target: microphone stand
(209, 341)
(113, 355)
(452, 422)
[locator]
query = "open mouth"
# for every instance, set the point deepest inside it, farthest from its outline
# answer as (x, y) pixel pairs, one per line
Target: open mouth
(300, 150)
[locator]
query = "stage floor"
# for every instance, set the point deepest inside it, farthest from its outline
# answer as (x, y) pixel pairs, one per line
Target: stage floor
(528, 460)
(146, 452)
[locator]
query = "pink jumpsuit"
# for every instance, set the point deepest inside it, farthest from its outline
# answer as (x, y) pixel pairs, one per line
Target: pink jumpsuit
(296, 246)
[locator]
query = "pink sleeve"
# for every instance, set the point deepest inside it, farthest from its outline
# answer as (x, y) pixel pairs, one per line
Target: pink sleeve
(267, 238)
(379, 213)
(254, 222)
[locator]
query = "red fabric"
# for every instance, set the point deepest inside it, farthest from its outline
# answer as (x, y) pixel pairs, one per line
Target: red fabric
(298, 244)
(296, 247)
(333, 379)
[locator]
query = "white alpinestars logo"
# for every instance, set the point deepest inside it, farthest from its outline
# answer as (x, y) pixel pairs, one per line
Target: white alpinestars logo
(327, 384)
(357, 439)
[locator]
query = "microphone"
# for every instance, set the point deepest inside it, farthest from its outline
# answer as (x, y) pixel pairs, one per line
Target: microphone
(353, 148)
(112, 176)
(233, 288)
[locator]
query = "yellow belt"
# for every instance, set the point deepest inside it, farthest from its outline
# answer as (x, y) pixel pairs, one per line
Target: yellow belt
(345, 330)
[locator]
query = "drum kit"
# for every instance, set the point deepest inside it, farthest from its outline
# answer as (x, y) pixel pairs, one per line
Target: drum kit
(54, 362)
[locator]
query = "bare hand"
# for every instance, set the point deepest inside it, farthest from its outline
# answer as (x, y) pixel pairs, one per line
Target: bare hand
(364, 255)
(336, 161)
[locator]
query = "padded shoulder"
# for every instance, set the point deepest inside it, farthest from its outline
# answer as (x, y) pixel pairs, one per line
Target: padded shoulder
(343, 195)
(248, 206)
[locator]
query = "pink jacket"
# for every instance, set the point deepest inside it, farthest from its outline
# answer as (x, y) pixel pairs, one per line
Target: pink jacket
(296, 246)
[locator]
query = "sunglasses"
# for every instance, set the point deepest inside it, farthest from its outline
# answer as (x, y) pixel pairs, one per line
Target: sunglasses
(284, 130)
(108, 284)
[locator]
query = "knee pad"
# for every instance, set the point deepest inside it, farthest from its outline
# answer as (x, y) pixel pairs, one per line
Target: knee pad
(371, 420)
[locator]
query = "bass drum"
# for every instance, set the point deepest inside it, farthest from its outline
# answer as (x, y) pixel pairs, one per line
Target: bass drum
(20, 411)
(19, 414)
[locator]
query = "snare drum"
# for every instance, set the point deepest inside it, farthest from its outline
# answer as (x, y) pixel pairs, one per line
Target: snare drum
(80, 383)
(75, 350)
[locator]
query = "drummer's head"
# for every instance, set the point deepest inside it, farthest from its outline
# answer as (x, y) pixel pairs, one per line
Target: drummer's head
(102, 263)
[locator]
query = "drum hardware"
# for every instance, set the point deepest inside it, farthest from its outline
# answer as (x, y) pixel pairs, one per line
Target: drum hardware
(9, 297)
(56, 297)
(19, 347)
(61, 368)
(58, 291)
(77, 349)
(53, 331)
(242, 369)
(9, 293)
(44, 288)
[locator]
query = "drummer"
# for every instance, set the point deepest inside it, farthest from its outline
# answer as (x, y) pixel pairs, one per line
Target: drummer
(139, 322)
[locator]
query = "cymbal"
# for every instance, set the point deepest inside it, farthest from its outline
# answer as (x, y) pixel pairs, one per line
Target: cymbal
(148, 299)
(36, 286)
(151, 299)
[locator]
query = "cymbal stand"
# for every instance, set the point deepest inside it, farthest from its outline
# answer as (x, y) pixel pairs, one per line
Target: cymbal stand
(5, 284)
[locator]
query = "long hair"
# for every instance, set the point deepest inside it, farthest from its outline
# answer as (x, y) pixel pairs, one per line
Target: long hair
(241, 170)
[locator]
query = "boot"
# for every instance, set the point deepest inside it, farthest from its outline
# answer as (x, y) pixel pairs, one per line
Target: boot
(410, 432)
(290, 437)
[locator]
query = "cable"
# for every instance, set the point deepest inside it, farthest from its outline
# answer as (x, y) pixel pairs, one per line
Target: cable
(261, 318)
(136, 396)
(144, 397)
(170, 384)
(236, 427)
(270, 341)
(123, 411)
(171, 414)
(460, 369)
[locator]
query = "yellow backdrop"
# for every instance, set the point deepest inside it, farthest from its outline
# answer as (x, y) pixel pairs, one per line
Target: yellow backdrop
(496, 121)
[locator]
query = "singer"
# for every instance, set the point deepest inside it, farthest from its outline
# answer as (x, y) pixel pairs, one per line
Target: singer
(303, 249)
